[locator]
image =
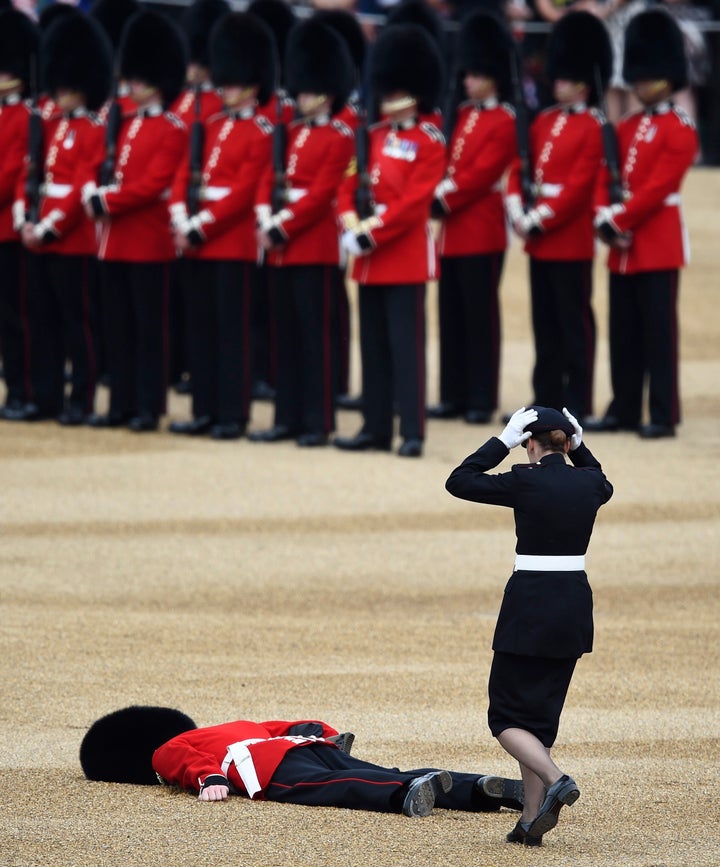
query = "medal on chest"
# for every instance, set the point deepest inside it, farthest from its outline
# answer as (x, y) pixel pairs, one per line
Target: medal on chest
(399, 148)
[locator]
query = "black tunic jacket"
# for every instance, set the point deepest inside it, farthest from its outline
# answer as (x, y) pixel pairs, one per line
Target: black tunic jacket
(543, 613)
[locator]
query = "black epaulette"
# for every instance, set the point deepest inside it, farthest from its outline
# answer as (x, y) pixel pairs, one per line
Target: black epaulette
(432, 132)
(342, 128)
(508, 108)
(175, 120)
(683, 116)
(597, 115)
(264, 124)
(379, 124)
(94, 118)
(219, 115)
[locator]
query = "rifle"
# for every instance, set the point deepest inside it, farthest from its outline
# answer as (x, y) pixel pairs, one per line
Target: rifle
(197, 143)
(522, 131)
(363, 193)
(610, 146)
(112, 133)
(35, 150)
(279, 146)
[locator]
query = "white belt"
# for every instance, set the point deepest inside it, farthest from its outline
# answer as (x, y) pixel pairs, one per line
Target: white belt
(672, 199)
(57, 191)
(214, 194)
(295, 194)
(239, 754)
(549, 563)
(550, 191)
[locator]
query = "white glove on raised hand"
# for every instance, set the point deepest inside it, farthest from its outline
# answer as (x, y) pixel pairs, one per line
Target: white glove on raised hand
(576, 438)
(513, 434)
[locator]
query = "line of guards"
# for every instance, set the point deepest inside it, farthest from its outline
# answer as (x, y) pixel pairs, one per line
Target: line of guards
(108, 206)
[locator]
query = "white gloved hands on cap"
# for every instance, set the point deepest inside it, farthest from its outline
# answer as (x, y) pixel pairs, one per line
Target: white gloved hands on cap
(515, 432)
(576, 438)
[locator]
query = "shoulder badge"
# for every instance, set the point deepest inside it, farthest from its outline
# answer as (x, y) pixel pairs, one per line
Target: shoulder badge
(597, 115)
(508, 108)
(683, 116)
(342, 128)
(432, 132)
(264, 124)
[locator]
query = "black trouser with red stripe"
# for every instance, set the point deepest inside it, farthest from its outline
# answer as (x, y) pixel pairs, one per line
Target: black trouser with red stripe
(13, 321)
(644, 343)
(564, 329)
(60, 328)
(469, 321)
(135, 310)
(219, 299)
(392, 348)
(323, 776)
(304, 298)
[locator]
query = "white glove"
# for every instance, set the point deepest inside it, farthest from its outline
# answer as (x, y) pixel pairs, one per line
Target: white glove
(513, 434)
(349, 242)
(576, 438)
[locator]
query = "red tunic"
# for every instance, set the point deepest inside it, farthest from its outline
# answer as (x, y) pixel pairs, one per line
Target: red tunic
(74, 150)
(656, 151)
(566, 151)
(406, 165)
(14, 128)
(184, 105)
(150, 147)
(189, 758)
(318, 156)
(237, 151)
(482, 147)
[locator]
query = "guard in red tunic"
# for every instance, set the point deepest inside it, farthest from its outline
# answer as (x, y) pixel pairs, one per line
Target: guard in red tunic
(473, 238)
(219, 239)
(18, 46)
(566, 156)
(136, 246)
(298, 227)
(645, 232)
(198, 101)
(78, 72)
(298, 762)
(394, 247)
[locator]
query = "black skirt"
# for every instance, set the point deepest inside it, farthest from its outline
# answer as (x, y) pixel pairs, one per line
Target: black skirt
(528, 692)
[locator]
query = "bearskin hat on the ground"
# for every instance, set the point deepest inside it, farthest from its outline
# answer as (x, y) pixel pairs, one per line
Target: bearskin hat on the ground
(77, 55)
(242, 52)
(153, 50)
(118, 748)
(406, 59)
(19, 42)
(317, 60)
(655, 50)
(579, 49)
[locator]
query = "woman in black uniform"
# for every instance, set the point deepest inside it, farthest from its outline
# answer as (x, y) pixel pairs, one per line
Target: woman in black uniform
(545, 622)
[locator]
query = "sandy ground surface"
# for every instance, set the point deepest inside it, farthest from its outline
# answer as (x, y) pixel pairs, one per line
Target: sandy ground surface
(242, 580)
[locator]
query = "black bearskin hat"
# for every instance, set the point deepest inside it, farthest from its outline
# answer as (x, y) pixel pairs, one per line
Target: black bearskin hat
(153, 50)
(50, 15)
(318, 61)
(346, 25)
(197, 22)
(405, 58)
(118, 748)
(421, 13)
(280, 18)
(655, 50)
(579, 49)
(486, 47)
(77, 54)
(19, 43)
(113, 15)
(242, 51)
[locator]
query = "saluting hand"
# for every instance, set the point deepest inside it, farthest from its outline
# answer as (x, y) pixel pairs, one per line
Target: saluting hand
(515, 432)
